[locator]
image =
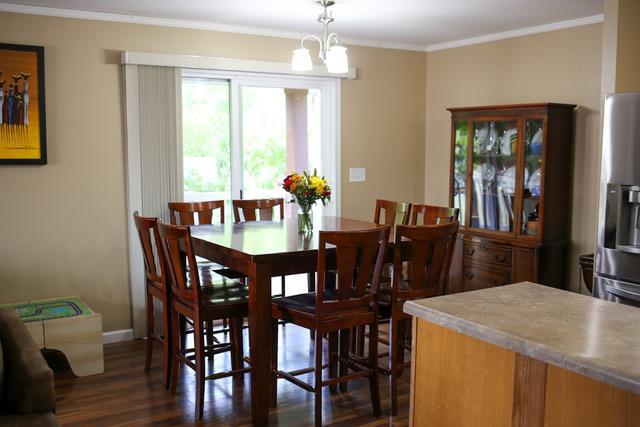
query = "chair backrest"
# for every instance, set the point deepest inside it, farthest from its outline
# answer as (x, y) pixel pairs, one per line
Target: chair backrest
(263, 206)
(182, 276)
(359, 257)
(149, 239)
(394, 212)
(431, 250)
(185, 213)
(433, 214)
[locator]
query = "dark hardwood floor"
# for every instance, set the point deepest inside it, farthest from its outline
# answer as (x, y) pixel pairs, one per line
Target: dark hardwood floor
(126, 395)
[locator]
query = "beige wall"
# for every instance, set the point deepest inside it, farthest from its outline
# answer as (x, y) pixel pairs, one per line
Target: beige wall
(63, 225)
(628, 51)
(560, 66)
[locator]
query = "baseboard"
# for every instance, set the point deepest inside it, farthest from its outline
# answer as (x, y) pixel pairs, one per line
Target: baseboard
(117, 336)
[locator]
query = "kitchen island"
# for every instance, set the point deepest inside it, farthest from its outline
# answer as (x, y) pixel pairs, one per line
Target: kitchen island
(524, 355)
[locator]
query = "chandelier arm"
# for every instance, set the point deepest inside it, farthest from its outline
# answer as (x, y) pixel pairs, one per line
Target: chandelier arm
(335, 38)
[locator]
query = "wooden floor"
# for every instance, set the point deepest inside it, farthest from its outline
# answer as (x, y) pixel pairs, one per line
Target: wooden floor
(126, 395)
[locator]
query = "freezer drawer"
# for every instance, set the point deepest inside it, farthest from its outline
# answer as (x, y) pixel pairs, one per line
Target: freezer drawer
(617, 291)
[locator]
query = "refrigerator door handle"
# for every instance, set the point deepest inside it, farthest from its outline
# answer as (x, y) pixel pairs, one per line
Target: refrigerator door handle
(622, 293)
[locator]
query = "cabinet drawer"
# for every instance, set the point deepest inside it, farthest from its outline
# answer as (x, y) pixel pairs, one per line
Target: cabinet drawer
(482, 252)
(476, 277)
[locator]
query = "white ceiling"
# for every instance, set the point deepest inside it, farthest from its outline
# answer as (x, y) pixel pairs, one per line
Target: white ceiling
(417, 23)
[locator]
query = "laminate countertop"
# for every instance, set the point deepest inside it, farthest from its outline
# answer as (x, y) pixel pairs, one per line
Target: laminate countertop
(595, 338)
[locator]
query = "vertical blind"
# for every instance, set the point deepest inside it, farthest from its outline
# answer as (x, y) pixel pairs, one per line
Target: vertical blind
(160, 138)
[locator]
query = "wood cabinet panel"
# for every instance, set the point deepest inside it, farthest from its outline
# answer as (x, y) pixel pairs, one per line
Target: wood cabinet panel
(484, 252)
(480, 277)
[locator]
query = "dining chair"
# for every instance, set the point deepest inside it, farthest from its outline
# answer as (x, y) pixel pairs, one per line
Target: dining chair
(430, 252)
(394, 212)
(201, 296)
(391, 213)
(432, 214)
(197, 213)
(245, 210)
(155, 288)
(358, 259)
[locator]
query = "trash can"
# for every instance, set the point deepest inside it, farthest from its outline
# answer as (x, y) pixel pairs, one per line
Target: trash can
(586, 265)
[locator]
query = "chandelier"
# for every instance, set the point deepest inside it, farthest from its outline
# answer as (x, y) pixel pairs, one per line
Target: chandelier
(331, 52)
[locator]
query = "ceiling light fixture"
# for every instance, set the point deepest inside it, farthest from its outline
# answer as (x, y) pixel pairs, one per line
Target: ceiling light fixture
(331, 52)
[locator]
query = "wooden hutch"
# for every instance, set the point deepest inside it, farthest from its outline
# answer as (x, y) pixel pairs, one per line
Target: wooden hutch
(511, 180)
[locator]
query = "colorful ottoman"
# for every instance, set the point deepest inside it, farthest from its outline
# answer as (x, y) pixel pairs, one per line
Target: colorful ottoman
(69, 326)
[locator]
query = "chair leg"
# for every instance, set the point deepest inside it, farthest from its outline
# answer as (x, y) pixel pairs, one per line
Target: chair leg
(176, 345)
(282, 285)
(393, 365)
(150, 333)
(402, 336)
(373, 364)
(237, 347)
(183, 331)
(168, 342)
(318, 384)
(360, 340)
(209, 332)
(311, 287)
(345, 342)
(274, 362)
(198, 339)
(333, 359)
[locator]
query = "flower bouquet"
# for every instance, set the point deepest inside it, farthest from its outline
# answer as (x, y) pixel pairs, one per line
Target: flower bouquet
(306, 189)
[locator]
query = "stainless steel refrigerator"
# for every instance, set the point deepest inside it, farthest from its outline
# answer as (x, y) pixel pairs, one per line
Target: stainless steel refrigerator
(617, 263)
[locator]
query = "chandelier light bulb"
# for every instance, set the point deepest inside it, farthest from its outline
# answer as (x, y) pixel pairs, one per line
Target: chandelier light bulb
(337, 61)
(301, 60)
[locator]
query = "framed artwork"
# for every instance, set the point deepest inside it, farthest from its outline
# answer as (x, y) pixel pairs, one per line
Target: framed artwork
(23, 135)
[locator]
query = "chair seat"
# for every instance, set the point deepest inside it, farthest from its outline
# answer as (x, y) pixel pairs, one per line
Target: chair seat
(305, 303)
(218, 289)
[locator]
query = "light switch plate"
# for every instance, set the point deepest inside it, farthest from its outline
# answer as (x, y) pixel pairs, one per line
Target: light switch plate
(357, 174)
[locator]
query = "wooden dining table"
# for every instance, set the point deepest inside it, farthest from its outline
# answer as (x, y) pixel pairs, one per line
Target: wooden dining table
(261, 250)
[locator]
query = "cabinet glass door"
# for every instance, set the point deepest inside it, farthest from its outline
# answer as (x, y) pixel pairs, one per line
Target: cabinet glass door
(494, 175)
(533, 133)
(460, 169)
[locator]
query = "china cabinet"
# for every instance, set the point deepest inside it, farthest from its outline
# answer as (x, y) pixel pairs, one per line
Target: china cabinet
(511, 180)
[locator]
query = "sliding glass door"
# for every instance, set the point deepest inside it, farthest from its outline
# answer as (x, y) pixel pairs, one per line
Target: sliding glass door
(242, 134)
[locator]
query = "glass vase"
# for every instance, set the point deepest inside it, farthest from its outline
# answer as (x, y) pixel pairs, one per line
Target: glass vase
(305, 220)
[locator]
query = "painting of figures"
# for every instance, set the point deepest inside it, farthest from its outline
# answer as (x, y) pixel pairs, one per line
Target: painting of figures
(22, 108)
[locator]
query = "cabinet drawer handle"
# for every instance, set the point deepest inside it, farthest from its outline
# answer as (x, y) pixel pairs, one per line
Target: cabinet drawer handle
(470, 251)
(468, 275)
(501, 258)
(483, 248)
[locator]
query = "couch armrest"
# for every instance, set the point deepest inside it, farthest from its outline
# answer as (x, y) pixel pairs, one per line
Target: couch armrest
(28, 382)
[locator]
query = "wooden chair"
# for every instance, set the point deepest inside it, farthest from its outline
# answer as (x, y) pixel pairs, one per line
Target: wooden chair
(186, 213)
(431, 250)
(358, 257)
(155, 287)
(192, 213)
(433, 214)
(394, 212)
(249, 207)
(245, 210)
(202, 296)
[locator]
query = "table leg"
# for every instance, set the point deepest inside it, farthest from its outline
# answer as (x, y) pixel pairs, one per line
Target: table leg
(259, 340)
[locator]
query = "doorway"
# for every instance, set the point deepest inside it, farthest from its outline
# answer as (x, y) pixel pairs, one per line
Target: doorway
(243, 132)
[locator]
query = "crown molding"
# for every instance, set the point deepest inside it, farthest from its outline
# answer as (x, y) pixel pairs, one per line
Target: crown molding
(209, 26)
(553, 26)
(193, 25)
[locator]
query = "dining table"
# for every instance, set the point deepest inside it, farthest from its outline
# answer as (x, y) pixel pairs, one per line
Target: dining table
(261, 250)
